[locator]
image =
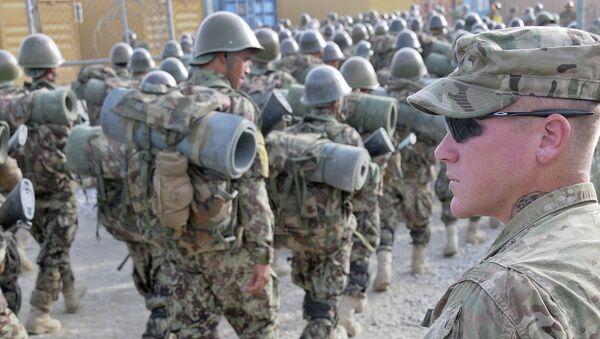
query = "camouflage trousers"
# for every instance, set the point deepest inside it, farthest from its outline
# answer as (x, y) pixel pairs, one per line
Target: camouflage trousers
(211, 285)
(10, 327)
(152, 276)
(324, 277)
(406, 200)
(8, 278)
(54, 230)
(368, 226)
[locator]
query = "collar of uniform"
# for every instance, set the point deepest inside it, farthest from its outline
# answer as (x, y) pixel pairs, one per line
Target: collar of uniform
(542, 207)
(322, 114)
(209, 78)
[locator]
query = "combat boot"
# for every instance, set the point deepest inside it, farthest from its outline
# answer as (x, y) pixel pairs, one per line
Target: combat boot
(451, 248)
(39, 322)
(362, 304)
(22, 236)
(384, 271)
(346, 313)
(419, 261)
(474, 236)
(72, 296)
(494, 223)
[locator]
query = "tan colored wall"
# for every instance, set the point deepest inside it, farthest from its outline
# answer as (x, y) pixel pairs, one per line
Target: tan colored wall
(187, 15)
(318, 8)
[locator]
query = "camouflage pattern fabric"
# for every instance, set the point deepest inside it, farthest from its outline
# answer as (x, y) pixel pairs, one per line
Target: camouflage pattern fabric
(15, 106)
(212, 285)
(411, 196)
(488, 79)
(262, 80)
(323, 272)
(516, 291)
(298, 65)
(383, 51)
(8, 278)
(98, 72)
(595, 173)
(215, 272)
(10, 327)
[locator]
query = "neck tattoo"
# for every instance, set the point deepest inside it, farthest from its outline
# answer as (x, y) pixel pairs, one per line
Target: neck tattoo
(524, 201)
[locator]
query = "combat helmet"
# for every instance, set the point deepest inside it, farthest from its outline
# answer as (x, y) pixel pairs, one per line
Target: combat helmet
(311, 42)
(9, 69)
(120, 54)
(416, 24)
(407, 38)
(545, 18)
(289, 46)
(304, 19)
(381, 28)
(438, 23)
(359, 33)
(397, 25)
(172, 48)
(570, 4)
(157, 82)
(516, 22)
(222, 32)
(359, 73)
(459, 24)
(538, 8)
(363, 50)
(370, 29)
(472, 19)
(284, 34)
(270, 42)
(328, 31)
(332, 52)
(176, 68)
(407, 63)
(141, 61)
(342, 38)
(39, 52)
(323, 85)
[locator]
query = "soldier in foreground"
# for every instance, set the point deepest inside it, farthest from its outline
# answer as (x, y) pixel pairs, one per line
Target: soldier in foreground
(228, 275)
(540, 277)
(55, 221)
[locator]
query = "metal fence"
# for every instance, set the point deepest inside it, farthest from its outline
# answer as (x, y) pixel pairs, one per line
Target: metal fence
(86, 30)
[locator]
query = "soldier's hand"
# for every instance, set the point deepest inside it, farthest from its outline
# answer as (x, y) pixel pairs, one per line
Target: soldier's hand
(260, 277)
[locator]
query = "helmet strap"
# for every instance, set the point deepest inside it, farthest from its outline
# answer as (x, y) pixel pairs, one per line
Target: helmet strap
(229, 58)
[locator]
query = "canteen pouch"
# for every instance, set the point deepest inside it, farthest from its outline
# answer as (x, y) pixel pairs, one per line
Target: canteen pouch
(173, 191)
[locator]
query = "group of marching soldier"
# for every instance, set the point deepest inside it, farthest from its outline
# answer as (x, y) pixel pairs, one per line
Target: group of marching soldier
(204, 237)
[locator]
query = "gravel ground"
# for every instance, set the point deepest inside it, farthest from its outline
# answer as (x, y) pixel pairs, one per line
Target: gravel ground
(113, 309)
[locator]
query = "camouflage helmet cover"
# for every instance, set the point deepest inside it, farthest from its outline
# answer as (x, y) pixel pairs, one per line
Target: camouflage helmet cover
(498, 67)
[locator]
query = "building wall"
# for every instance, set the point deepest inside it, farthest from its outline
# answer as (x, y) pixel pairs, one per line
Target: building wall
(187, 15)
(292, 9)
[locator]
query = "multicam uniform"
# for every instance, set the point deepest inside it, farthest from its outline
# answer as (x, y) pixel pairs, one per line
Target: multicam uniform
(516, 291)
(55, 222)
(412, 193)
(321, 263)
(263, 79)
(213, 272)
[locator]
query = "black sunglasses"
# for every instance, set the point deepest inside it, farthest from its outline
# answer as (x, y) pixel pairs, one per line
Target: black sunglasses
(463, 129)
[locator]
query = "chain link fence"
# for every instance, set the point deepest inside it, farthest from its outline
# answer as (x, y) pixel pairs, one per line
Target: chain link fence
(86, 30)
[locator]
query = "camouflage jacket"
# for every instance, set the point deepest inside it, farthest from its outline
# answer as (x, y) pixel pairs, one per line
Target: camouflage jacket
(417, 160)
(262, 80)
(254, 214)
(15, 105)
(298, 65)
(540, 279)
(383, 51)
(98, 72)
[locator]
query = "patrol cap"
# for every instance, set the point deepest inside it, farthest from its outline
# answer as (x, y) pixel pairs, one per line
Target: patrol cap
(498, 67)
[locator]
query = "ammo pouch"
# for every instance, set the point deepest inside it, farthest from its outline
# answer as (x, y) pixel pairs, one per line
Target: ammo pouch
(173, 192)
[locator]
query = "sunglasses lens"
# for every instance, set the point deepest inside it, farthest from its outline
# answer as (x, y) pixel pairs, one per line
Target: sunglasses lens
(462, 129)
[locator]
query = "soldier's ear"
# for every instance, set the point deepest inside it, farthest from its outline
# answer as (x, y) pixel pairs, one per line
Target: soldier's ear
(555, 136)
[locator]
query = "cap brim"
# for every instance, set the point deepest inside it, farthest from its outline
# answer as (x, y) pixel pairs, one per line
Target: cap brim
(456, 99)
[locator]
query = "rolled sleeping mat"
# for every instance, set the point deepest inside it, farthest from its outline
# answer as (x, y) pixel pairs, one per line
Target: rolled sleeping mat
(276, 109)
(294, 94)
(57, 106)
(438, 64)
(222, 142)
(90, 153)
(372, 112)
(431, 126)
(18, 139)
(94, 92)
(4, 139)
(379, 143)
(343, 167)
(19, 204)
